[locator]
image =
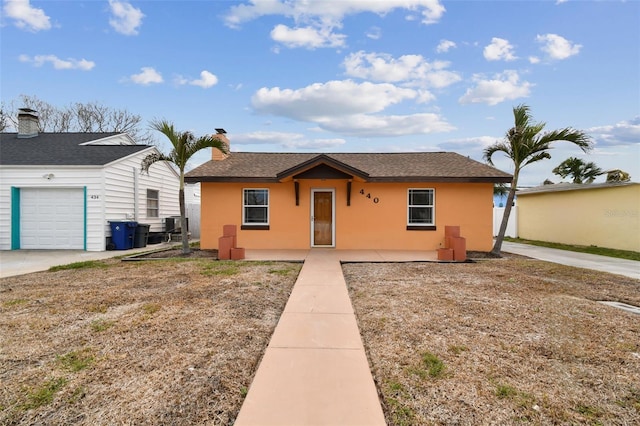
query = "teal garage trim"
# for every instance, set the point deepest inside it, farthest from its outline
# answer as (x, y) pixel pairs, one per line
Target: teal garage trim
(15, 218)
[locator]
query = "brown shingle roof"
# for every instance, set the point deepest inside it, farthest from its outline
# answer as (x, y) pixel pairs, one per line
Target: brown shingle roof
(378, 167)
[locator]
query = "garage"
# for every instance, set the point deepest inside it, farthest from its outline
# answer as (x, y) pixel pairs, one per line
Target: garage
(52, 218)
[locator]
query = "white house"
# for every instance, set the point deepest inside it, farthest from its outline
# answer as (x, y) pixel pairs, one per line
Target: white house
(61, 190)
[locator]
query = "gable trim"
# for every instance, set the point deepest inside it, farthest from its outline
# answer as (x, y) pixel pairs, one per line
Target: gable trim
(321, 160)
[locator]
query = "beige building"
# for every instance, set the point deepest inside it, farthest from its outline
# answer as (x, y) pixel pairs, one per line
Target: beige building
(603, 215)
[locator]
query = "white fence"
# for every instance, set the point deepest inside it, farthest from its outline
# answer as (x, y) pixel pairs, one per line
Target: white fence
(193, 213)
(512, 224)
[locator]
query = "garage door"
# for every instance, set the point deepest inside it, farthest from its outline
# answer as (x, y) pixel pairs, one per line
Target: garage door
(52, 218)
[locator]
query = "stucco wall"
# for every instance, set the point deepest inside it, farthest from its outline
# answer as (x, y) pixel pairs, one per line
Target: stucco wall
(363, 225)
(604, 217)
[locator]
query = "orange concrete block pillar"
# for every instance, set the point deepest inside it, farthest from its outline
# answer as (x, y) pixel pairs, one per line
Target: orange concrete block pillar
(445, 254)
(231, 231)
(225, 244)
(459, 246)
(451, 231)
(237, 253)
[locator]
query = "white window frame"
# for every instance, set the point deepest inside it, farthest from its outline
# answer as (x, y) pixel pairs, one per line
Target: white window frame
(432, 206)
(244, 206)
(157, 200)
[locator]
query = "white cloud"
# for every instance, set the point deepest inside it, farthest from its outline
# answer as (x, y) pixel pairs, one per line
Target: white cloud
(374, 33)
(26, 16)
(502, 87)
(499, 49)
(329, 12)
(126, 18)
(534, 60)
(286, 140)
(206, 80)
(315, 21)
(466, 144)
(365, 125)
(622, 133)
(307, 37)
(445, 46)
(557, 47)
(59, 64)
(334, 98)
(350, 108)
(147, 76)
(411, 69)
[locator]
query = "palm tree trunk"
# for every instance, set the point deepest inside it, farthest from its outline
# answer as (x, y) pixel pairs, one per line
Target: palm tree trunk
(183, 225)
(497, 247)
(183, 218)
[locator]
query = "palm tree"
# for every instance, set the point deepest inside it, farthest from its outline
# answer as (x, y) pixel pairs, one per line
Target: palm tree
(617, 175)
(525, 144)
(185, 145)
(580, 171)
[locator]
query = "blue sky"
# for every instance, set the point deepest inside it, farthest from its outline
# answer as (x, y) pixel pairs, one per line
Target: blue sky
(342, 75)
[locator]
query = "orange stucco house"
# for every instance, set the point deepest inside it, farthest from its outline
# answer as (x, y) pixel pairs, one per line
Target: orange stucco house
(393, 201)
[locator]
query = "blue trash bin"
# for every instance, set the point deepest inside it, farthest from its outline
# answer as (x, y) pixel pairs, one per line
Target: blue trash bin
(122, 234)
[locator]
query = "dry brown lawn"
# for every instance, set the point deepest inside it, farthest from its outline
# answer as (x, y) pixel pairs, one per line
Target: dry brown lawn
(155, 342)
(503, 341)
(499, 341)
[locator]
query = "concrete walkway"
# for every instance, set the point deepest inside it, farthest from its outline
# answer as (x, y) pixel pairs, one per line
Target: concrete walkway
(315, 370)
(628, 268)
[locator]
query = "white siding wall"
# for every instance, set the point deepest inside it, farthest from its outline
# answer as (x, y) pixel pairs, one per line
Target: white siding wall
(120, 187)
(63, 177)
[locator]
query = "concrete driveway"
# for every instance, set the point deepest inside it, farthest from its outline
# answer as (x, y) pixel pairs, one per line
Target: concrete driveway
(613, 265)
(18, 262)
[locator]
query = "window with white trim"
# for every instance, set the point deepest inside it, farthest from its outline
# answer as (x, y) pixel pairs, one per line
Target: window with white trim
(421, 208)
(153, 203)
(255, 207)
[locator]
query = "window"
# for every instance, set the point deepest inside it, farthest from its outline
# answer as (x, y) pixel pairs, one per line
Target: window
(255, 209)
(153, 203)
(420, 211)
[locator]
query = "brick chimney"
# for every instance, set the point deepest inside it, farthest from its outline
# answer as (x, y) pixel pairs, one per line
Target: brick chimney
(28, 125)
(216, 154)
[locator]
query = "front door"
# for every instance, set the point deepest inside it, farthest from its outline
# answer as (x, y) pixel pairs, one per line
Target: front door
(322, 218)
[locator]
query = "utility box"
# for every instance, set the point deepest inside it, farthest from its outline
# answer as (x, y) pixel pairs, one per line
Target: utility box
(122, 234)
(141, 235)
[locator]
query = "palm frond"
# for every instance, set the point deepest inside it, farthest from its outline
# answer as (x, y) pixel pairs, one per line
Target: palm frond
(153, 158)
(499, 146)
(577, 137)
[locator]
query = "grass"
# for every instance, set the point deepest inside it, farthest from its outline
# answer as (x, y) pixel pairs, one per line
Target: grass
(44, 393)
(505, 391)
(101, 325)
(76, 361)
(431, 366)
(15, 302)
(79, 265)
(602, 251)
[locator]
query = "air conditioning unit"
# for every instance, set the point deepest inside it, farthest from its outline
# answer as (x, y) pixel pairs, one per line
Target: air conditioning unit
(172, 224)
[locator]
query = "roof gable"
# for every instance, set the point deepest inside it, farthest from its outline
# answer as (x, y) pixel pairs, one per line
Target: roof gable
(321, 166)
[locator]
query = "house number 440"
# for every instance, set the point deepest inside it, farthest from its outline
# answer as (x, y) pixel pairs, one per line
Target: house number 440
(368, 195)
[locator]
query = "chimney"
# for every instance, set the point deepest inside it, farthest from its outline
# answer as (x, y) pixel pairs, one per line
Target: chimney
(28, 125)
(216, 154)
